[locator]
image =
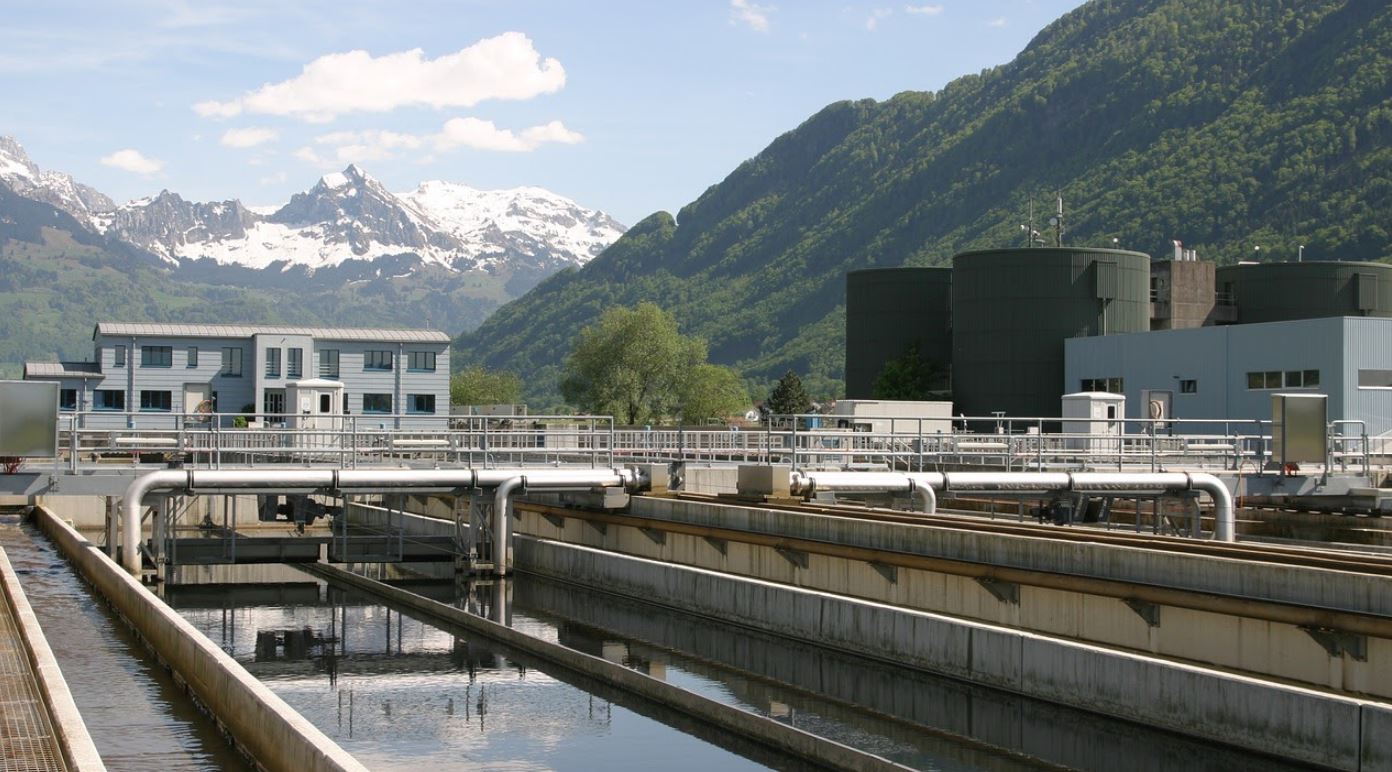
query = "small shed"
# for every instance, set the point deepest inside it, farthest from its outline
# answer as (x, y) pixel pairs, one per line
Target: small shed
(317, 403)
(1095, 413)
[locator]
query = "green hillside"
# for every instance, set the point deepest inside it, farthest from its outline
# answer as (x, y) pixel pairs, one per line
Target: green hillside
(1225, 123)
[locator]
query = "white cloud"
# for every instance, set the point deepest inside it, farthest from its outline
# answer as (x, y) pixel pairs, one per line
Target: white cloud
(754, 16)
(483, 135)
(274, 179)
(133, 161)
(932, 9)
(248, 137)
(373, 145)
(876, 15)
(506, 66)
(999, 21)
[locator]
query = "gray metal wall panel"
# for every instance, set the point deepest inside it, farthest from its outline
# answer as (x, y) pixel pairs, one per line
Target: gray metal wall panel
(1219, 358)
(1367, 345)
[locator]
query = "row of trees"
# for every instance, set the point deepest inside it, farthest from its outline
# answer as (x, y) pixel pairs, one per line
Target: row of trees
(635, 365)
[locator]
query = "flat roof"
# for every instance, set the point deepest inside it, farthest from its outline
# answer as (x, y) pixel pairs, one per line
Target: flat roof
(248, 330)
(62, 370)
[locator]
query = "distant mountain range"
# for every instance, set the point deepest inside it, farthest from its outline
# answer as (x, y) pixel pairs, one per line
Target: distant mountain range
(1223, 124)
(345, 251)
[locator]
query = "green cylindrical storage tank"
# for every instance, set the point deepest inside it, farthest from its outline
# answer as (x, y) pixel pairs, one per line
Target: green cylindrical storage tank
(1012, 309)
(1276, 292)
(888, 310)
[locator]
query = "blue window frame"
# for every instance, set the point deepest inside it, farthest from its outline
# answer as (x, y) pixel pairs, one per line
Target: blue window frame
(420, 403)
(192, 356)
(118, 354)
(272, 363)
(377, 360)
(377, 403)
(420, 361)
(155, 401)
(109, 399)
(156, 356)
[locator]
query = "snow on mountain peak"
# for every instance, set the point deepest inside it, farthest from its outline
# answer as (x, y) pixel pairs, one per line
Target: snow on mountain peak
(334, 180)
(50, 187)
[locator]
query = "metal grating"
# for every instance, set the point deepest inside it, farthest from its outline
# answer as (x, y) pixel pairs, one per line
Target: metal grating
(27, 739)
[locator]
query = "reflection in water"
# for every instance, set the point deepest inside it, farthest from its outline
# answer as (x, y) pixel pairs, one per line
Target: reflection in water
(397, 692)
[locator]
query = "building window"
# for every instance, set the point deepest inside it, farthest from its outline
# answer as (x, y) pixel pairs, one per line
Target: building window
(377, 360)
(192, 356)
(67, 399)
(273, 403)
(1375, 379)
(119, 355)
(232, 362)
(1302, 379)
(294, 362)
(156, 356)
(1290, 379)
(272, 363)
(420, 403)
(377, 403)
(1189, 387)
(156, 401)
(1109, 385)
(422, 361)
(109, 399)
(328, 363)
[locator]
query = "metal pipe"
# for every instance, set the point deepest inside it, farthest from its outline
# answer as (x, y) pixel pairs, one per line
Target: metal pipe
(356, 480)
(809, 482)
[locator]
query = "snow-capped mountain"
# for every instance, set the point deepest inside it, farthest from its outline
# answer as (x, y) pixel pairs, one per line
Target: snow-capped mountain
(54, 188)
(349, 215)
(345, 216)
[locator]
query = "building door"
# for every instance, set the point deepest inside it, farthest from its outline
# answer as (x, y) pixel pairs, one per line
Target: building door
(196, 402)
(1158, 405)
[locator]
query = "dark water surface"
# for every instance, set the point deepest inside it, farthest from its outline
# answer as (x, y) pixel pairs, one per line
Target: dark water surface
(138, 718)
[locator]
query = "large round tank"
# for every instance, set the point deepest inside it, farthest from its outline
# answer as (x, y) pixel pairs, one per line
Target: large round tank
(887, 311)
(1274, 292)
(1012, 309)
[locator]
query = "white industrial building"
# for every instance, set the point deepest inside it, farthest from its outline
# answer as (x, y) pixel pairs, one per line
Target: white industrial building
(1230, 372)
(146, 375)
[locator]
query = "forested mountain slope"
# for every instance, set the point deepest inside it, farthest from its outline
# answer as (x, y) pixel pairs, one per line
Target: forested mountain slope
(1224, 123)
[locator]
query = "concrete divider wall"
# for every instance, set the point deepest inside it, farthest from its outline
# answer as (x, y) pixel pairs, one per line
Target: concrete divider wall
(272, 732)
(1361, 593)
(1303, 724)
(76, 744)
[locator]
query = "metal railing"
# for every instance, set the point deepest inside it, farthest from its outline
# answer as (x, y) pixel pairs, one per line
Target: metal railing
(898, 443)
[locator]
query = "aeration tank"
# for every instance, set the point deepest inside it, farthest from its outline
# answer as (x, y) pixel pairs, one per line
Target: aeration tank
(1278, 292)
(888, 310)
(1012, 309)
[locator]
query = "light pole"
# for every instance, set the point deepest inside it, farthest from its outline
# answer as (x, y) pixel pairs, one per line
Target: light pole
(1257, 251)
(1300, 256)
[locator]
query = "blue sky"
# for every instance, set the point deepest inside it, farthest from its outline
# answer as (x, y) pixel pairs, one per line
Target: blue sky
(629, 107)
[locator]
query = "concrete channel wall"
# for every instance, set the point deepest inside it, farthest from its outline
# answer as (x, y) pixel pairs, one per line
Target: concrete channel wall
(1102, 612)
(1304, 724)
(79, 752)
(269, 730)
(1359, 593)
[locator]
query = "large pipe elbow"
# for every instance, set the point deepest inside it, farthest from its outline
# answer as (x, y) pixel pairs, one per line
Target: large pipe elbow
(501, 524)
(927, 497)
(1224, 513)
(130, 511)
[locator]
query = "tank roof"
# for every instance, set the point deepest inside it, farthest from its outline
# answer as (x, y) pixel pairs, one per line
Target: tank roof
(1309, 264)
(1051, 251)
